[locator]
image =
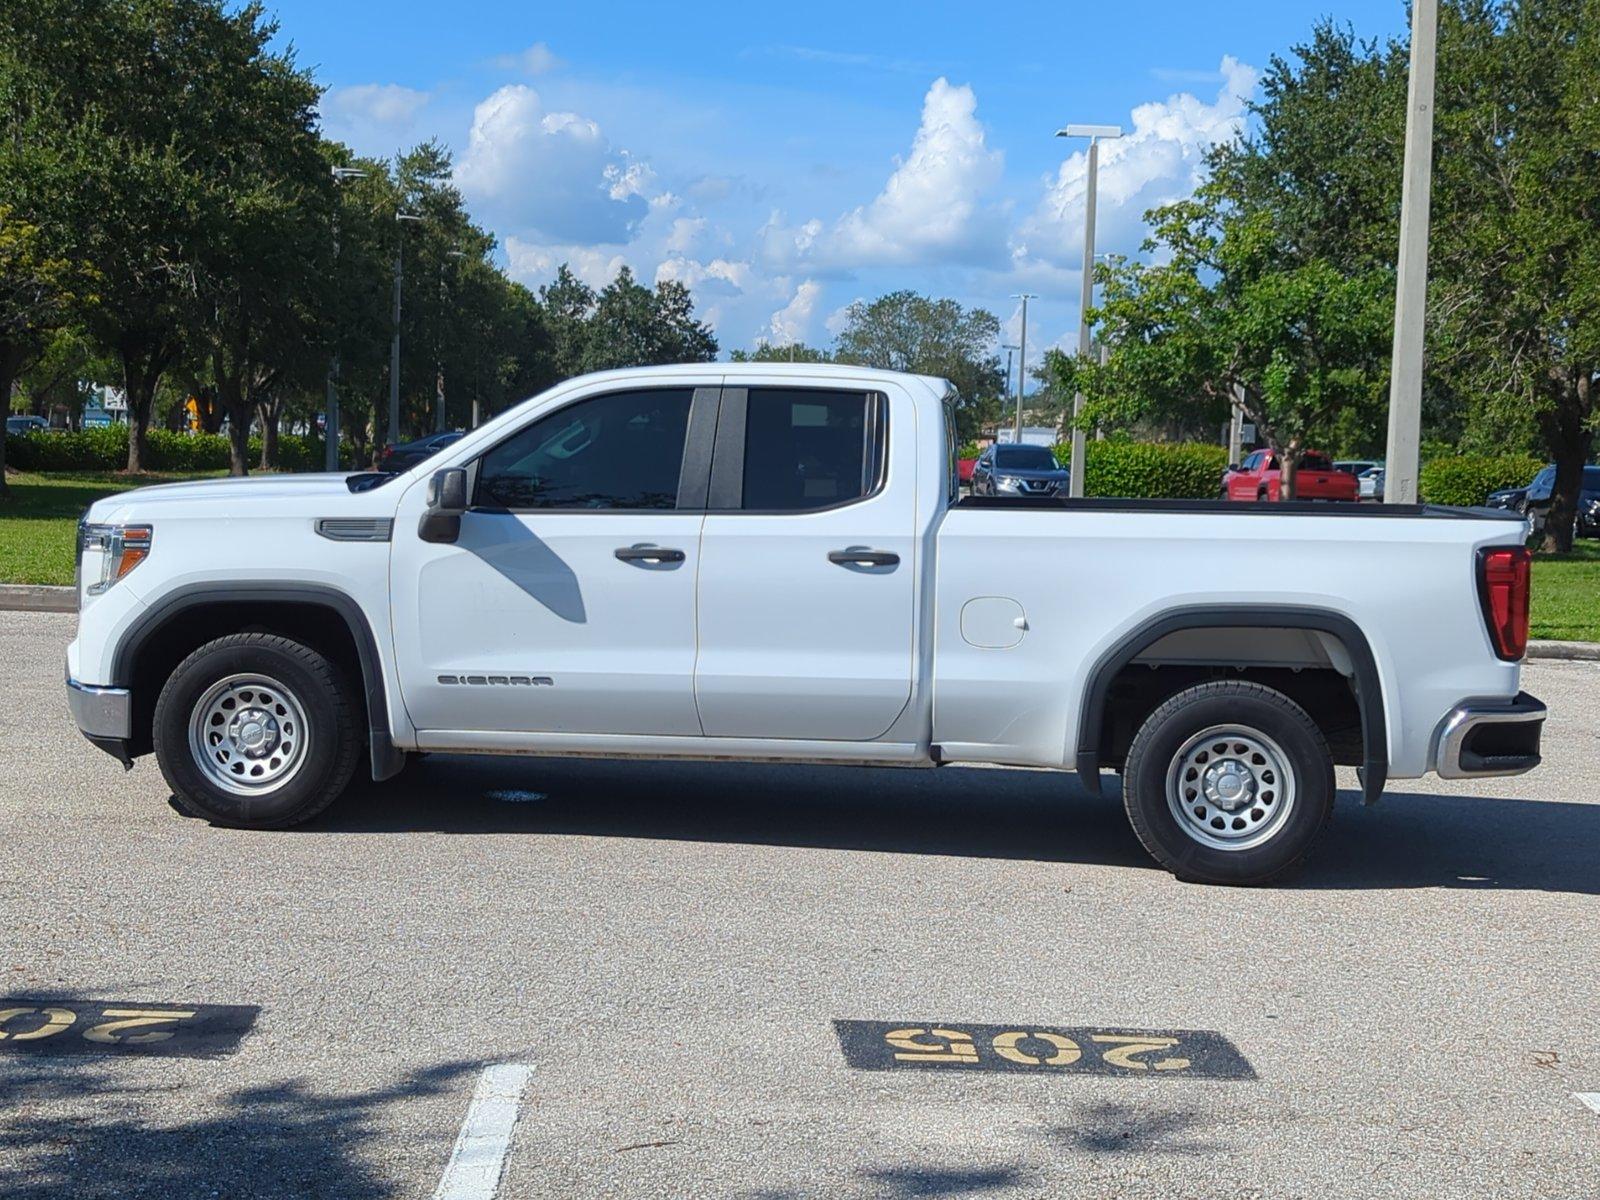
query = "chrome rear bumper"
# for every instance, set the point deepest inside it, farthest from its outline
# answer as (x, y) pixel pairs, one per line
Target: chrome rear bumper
(1478, 741)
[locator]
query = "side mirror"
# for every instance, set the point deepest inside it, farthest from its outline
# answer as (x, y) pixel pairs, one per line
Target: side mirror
(447, 500)
(1233, 466)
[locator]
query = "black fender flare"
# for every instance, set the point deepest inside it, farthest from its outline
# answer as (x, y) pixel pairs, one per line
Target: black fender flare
(386, 758)
(1369, 685)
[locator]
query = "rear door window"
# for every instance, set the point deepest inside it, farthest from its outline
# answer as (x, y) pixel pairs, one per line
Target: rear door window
(808, 449)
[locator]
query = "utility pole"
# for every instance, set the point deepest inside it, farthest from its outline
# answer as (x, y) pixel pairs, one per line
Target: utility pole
(1010, 350)
(1022, 359)
(1086, 293)
(394, 315)
(1411, 289)
(330, 415)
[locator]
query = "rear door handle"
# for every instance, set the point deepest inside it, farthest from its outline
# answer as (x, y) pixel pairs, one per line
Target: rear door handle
(649, 554)
(863, 558)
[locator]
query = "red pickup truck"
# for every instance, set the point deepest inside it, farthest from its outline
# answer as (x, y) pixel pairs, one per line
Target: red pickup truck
(1257, 478)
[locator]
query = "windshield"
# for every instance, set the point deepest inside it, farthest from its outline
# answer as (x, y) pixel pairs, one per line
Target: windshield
(1591, 479)
(1024, 458)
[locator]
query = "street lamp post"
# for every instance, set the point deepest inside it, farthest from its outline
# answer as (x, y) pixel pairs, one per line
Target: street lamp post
(394, 315)
(330, 417)
(1022, 358)
(1411, 288)
(1086, 295)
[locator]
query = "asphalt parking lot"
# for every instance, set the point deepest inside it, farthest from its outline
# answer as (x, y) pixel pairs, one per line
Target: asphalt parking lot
(668, 946)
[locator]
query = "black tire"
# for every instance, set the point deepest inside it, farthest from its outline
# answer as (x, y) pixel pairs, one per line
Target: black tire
(326, 757)
(1170, 739)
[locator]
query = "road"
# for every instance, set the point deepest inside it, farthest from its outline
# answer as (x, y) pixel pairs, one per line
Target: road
(668, 945)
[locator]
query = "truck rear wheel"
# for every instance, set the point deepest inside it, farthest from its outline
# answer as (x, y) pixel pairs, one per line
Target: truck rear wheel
(255, 731)
(1229, 783)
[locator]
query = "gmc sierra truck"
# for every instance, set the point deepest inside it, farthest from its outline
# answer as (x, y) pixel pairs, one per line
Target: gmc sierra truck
(773, 562)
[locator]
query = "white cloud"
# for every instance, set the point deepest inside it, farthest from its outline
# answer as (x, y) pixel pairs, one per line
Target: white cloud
(686, 233)
(535, 264)
(1161, 159)
(548, 177)
(932, 209)
(792, 322)
(535, 60)
(374, 118)
(731, 275)
(839, 319)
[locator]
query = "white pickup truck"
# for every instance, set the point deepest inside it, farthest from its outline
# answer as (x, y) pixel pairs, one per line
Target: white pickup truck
(773, 562)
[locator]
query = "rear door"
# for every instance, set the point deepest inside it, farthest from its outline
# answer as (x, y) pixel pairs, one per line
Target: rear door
(807, 565)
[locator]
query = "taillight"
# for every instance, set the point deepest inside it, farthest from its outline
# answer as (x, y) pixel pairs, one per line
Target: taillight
(1504, 589)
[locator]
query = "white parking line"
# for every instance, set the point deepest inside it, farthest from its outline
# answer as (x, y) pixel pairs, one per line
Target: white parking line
(473, 1172)
(1592, 1099)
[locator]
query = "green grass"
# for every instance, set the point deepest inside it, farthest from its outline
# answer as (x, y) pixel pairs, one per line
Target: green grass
(1566, 594)
(39, 521)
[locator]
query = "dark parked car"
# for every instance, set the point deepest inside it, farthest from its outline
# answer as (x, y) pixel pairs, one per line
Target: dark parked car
(1534, 500)
(1013, 470)
(408, 454)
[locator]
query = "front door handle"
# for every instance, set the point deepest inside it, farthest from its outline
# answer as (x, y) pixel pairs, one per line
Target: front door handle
(863, 558)
(649, 554)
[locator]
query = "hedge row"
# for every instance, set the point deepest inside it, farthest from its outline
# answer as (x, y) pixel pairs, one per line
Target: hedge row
(1469, 480)
(106, 449)
(1150, 471)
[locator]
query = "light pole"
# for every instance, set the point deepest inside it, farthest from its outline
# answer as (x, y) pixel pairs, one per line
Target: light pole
(1411, 288)
(1086, 295)
(330, 416)
(394, 346)
(1022, 358)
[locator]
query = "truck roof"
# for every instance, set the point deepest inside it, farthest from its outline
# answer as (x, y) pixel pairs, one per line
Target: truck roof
(768, 370)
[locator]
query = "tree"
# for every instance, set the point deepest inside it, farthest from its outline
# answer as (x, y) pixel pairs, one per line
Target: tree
(1516, 286)
(793, 352)
(1272, 282)
(265, 253)
(903, 331)
(624, 325)
(44, 282)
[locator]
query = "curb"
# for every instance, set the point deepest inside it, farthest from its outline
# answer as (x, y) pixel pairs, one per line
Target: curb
(32, 597)
(1565, 651)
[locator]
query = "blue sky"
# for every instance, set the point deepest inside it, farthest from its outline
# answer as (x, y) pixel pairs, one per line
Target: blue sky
(784, 162)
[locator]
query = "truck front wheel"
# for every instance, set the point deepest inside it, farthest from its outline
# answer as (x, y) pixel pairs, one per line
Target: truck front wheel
(256, 731)
(1229, 783)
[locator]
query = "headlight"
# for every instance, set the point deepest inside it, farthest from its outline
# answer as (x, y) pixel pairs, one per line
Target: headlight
(108, 552)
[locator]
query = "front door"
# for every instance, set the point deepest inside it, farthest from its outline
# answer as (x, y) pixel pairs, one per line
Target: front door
(568, 603)
(807, 567)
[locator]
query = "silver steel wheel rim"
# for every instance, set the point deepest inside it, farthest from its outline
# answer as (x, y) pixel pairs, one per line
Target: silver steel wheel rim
(1230, 787)
(248, 734)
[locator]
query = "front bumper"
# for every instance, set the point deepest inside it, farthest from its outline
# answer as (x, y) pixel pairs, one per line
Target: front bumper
(104, 716)
(1483, 740)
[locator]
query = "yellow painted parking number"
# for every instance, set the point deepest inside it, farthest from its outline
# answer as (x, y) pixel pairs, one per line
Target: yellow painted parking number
(55, 1020)
(1066, 1053)
(909, 1047)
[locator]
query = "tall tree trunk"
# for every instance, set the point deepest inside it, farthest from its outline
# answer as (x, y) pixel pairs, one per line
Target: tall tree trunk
(269, 414)
(143, 364)
(1569, 441)
(140, 399)
(232, 400)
